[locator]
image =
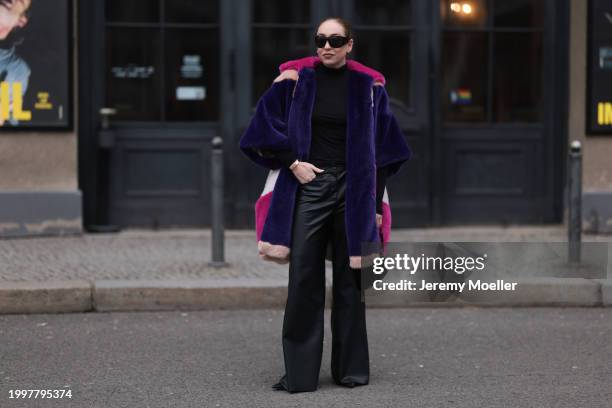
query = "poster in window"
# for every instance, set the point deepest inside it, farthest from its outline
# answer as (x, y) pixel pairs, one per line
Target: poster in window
(599, 72)
(35, 64)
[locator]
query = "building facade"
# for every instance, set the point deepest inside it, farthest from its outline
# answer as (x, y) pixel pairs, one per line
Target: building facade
(488, 92)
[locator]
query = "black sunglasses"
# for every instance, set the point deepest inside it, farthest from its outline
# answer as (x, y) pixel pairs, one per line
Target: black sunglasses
(335, 41)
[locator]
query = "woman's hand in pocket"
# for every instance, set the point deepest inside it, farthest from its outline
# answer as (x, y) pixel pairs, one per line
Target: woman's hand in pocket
(378, 220)
(306, 172)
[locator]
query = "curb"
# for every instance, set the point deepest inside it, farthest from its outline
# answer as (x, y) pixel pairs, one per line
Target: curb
(123, 295)
(45, 297)
(606, 291)
(154, 295)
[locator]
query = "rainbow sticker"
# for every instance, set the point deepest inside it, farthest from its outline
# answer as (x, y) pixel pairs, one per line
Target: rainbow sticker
(461, 96)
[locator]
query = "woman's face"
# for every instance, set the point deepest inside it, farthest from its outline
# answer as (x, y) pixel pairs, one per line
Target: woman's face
(12, 15)
(333, 57)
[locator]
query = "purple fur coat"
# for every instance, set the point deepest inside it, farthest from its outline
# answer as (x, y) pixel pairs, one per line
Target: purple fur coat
(374, 139)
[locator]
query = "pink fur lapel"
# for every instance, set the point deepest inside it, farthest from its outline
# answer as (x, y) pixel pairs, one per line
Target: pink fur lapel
(310, 62)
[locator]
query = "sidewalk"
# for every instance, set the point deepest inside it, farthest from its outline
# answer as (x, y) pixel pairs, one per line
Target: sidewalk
(145, 270)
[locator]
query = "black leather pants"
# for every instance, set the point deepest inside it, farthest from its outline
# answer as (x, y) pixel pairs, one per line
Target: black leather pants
(319, 217)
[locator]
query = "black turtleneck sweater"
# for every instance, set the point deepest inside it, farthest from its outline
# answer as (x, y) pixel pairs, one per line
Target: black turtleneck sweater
(329, 126)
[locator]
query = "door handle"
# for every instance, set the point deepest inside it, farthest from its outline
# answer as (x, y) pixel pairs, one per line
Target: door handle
(105, 114)
(106, 136)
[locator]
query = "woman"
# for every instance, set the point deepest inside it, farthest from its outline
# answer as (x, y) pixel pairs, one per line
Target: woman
(13, 69)
(329, 132)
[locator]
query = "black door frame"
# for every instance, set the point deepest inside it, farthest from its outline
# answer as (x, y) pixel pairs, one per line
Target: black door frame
(90, 35)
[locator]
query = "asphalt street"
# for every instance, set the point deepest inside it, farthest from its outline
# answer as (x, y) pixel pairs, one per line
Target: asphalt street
(420, 357)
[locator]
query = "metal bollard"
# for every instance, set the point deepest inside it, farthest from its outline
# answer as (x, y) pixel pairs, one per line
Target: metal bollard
(106, 143)
(217, 229)
(575, 202)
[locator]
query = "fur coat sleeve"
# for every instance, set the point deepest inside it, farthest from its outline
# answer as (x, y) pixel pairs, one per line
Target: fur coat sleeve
(267, 129)
(391, 148)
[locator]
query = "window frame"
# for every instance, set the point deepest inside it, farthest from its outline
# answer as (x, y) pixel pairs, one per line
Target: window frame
(161, 26)
(491, 31)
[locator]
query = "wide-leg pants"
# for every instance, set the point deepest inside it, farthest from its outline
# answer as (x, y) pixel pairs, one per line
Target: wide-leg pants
(318, 218)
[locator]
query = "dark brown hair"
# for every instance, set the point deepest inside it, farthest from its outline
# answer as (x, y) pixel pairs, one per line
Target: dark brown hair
(10, 3)
(12, 37)
(348, 30)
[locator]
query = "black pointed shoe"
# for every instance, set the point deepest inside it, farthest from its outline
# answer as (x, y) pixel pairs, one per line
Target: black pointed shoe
(281, 384)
